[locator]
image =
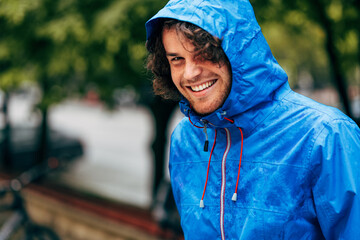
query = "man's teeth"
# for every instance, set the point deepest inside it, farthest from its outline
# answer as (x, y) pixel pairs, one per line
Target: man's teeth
(202, 86)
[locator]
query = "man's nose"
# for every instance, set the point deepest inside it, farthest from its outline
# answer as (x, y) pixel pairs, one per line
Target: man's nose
(192, 70)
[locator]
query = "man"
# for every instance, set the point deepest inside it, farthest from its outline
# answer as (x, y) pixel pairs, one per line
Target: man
(251, 159)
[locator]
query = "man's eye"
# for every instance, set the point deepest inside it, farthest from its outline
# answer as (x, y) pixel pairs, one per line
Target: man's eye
(175, 59)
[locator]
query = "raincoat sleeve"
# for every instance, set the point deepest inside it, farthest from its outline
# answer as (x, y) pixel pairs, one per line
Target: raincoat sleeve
(337, 188)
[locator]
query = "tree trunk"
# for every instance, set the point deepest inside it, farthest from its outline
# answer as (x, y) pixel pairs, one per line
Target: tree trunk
(6, 145)
(43, 138)
(162, 111)
(333, 55)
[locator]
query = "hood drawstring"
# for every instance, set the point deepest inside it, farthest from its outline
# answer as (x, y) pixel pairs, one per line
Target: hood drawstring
(234, 197)
(207, 172)
(230, 120)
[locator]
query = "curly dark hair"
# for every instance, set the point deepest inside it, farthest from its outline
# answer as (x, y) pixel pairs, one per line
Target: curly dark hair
(207, 47)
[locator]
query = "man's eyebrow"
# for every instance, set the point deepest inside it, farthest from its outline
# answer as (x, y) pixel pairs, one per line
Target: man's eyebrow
(171, 54)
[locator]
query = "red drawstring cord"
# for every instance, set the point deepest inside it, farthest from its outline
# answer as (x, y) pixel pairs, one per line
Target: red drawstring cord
(207, 173)
(234, 197)
(230, 120)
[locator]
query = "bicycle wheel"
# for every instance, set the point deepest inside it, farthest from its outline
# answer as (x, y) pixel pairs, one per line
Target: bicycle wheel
(36, 232)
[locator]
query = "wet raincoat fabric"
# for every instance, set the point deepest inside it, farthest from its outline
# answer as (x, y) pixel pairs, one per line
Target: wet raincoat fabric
(300, 167)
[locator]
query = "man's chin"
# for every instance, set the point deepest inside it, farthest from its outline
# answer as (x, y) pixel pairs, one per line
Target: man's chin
(204, 111)
(206, 106)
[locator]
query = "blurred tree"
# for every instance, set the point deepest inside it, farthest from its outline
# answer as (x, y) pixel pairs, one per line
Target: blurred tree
(68, 47)
(338, 22)
(13, 69)
(117, 60)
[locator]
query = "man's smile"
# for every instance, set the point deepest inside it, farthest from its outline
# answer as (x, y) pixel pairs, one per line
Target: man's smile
(202, 86)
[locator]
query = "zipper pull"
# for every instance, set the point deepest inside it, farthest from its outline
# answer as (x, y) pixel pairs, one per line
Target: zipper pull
(206, 145)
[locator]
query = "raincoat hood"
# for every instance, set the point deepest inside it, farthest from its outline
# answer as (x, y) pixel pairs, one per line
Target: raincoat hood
(255, 72)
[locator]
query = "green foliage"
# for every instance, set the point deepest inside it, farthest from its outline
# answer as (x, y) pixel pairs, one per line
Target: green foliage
(307, 25)
(296, 52)
(69, 46)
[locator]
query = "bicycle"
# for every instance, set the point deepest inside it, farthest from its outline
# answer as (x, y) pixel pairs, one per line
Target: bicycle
(19, 224)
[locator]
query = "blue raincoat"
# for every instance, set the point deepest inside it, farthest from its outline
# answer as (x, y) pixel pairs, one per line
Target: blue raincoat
(300, 160)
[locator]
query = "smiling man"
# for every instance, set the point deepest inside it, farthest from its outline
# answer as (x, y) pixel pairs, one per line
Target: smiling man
(251, 159)
(205, 84)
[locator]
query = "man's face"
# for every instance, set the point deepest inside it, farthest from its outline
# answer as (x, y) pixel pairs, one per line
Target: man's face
(205, 84)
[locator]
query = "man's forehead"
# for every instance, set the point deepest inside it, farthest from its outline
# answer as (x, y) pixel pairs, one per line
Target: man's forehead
(174, 41)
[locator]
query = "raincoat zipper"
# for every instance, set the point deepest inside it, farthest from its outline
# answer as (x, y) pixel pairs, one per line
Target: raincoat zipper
(223, 183)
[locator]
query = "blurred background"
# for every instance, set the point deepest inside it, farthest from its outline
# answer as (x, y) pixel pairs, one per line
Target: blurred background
(73, 86)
